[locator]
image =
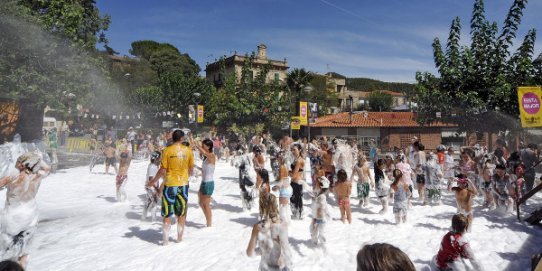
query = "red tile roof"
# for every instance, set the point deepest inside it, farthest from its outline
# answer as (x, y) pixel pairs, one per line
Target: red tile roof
(374, 119)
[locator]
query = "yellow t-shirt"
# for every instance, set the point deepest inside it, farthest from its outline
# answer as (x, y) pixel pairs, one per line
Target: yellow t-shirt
(177, 160)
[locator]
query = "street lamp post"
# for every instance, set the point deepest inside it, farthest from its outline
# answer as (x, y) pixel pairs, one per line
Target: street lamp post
(351, 101)
(308, 89)
(197, 95)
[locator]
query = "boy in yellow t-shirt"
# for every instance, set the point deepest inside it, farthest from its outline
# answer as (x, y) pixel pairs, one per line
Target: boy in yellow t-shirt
(177, 163)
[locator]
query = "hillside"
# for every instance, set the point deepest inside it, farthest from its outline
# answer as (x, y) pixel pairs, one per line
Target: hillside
(366, 84)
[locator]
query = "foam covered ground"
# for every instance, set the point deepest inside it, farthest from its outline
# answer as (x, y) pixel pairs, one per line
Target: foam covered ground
(82, 227)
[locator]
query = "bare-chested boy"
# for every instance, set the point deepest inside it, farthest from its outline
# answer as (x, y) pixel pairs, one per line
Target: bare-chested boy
(327, 162)
(465, 191)
(109, 152)
(361, 170)
(122, 176)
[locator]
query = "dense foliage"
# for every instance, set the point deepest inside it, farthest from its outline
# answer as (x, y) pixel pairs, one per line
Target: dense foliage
(366, 84)
(48, 58)
(477, 84)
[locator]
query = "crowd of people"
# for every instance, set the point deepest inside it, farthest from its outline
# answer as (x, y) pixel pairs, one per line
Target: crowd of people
(499, 177)
(323, 168)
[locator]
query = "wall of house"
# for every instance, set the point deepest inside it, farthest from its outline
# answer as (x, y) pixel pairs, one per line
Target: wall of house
(401, 137)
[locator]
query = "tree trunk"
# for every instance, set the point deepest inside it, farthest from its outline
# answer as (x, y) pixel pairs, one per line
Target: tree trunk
(30, 123)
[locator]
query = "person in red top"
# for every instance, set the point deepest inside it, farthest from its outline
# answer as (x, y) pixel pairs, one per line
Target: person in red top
(455, 249)
(441, 149)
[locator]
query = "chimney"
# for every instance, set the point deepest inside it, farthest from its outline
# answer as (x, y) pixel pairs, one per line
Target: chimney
(262, 54)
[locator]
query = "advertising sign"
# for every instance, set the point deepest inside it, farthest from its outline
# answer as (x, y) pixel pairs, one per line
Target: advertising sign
(200, 113)
(303, 113)
(529, 99)
(296, 123)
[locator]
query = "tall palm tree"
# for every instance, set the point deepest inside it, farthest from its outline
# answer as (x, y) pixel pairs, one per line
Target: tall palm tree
(296, 80)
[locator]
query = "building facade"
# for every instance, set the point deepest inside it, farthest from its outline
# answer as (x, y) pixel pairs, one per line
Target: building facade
(388, 129)
(234, 64)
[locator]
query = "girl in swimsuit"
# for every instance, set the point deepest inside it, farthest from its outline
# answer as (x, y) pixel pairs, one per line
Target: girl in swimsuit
(296, 174)
(207, 181)
(343, 190)
(284, 188)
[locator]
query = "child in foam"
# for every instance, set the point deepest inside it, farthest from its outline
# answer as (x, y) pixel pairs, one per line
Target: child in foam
(122, 176)
(381, 187)
(465, 191)
(364, 179)
(455, 252)
(284, 188)
(487, 185)
(320, 213)
(405, 169)
(152, 201)
(501, 188)
(272, 236)
(401, 195)
(433, 175)
(19, 218)
(343, 188)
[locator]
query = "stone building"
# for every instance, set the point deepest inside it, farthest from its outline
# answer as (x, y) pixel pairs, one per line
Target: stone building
(234, 64)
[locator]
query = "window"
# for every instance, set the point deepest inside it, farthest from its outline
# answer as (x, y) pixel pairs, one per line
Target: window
(406, 139)
(276, 76)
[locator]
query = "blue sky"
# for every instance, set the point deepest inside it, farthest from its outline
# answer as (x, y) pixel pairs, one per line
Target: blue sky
(387, 40)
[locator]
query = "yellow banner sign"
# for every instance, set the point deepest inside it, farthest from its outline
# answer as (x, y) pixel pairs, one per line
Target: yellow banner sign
(296, 123)
(529, 106)
(200, 113)
(303, 113)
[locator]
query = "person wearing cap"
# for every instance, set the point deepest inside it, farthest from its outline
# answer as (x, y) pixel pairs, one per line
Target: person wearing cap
(177, 164)
(320, 213)
(465, 191)
(19, 218)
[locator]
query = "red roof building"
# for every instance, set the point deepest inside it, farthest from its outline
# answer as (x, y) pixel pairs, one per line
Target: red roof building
(389, 129)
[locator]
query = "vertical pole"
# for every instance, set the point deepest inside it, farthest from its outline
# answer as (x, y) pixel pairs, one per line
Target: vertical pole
(309, 120)
(197, 117)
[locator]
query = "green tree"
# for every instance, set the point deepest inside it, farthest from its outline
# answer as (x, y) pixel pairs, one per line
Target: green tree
(165, 58)
(380, 101)
(48, 57)
(145, 48)
(323, 94)
(477, 84)
(296, 80)
(366, 84)
(167, 61)
(177, 91)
